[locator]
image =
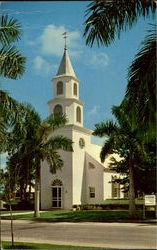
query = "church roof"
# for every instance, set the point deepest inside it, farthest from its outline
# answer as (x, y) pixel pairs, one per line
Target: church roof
(65, 67)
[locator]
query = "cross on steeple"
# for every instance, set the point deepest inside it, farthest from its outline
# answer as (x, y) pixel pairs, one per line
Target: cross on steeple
(65, 37)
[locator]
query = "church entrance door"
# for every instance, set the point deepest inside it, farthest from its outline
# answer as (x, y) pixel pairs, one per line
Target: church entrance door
(57, 197)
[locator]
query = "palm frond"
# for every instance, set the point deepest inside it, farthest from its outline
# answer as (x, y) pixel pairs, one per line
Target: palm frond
(56, 121)
(107, 148)
(109, 18)
(141, 89)
(105, 128)
(54, 160)
(59, 142)
(9, 30)
(11, 62)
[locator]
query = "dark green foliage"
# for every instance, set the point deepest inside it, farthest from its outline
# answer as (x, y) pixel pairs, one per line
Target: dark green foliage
(107, 19)
(32, 145)
(11, 66)
(10, 30)
(141, 88)
(136, 160)
(11, 116)
(11, 62)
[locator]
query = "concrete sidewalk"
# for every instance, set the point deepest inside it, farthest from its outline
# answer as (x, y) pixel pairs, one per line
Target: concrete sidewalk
(21, 213)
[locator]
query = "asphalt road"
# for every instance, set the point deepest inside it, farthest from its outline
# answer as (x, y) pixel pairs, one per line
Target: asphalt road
(111, 235)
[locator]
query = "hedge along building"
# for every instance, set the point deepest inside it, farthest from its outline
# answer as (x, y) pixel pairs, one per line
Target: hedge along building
(83, 178)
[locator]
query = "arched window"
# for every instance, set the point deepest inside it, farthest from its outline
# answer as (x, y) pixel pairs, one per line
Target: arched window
(59, 88)
(78, 114)
(75, 88)
(57, 182)
(58, 109)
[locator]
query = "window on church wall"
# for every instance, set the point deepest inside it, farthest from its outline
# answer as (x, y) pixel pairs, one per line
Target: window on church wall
(59, 88)
(91, 165)
(78, 114)
(57, 193)
(58, 109)
(75, 89)
(115, 188)
(91, 192)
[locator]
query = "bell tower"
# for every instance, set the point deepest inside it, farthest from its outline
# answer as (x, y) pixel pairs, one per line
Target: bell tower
(66, 92)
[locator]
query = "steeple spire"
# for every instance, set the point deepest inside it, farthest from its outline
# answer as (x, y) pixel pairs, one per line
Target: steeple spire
(65, 67)
(65, 37)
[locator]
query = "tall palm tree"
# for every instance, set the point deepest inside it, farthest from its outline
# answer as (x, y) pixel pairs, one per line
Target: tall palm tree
(141, 88)
(11, 66)
(108, 19)
(11, 113)
(122, 140)
(36, 145)
(11, 60)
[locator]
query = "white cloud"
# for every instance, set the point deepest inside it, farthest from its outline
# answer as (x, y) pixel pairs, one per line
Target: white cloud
(31, 43)
(42, 66)
(98, 60)
(94, 111)
(52, 41)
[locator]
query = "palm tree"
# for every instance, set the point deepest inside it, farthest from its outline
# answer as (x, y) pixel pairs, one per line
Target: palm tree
(11, 66)
(11, 113)
(36, 145)
(110, 18)
(141, 88)
(122, 140)
(11, 60)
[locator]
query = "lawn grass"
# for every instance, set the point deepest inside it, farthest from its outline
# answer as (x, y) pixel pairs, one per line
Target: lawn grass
(15, 211)
(79, 216)
(22, 245)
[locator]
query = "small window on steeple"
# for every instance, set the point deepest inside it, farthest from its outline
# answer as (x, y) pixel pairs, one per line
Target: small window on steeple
(59, 88)
(78, 114)
(58, 109)
(75, 88)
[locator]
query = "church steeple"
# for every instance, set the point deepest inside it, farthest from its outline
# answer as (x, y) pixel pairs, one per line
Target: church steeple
(66, 92)
(65, 67)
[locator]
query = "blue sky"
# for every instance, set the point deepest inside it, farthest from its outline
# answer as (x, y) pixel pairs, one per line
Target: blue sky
(102, 71)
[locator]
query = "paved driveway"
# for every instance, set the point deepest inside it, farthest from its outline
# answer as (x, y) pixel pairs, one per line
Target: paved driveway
(113, 235)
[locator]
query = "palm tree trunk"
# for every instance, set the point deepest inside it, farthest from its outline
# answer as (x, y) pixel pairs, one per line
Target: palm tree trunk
(37, 194)
(132, 207)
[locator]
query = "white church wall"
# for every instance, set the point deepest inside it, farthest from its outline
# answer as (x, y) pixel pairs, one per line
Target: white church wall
(107, 185)
(94, 180)
(65, 175)
(79, 192)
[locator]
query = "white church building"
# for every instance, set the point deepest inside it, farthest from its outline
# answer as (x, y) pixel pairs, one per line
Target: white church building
(83, 179)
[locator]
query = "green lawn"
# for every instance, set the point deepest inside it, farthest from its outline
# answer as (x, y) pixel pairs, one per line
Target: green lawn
(77, 216)
(21, 245)
(15, 211)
